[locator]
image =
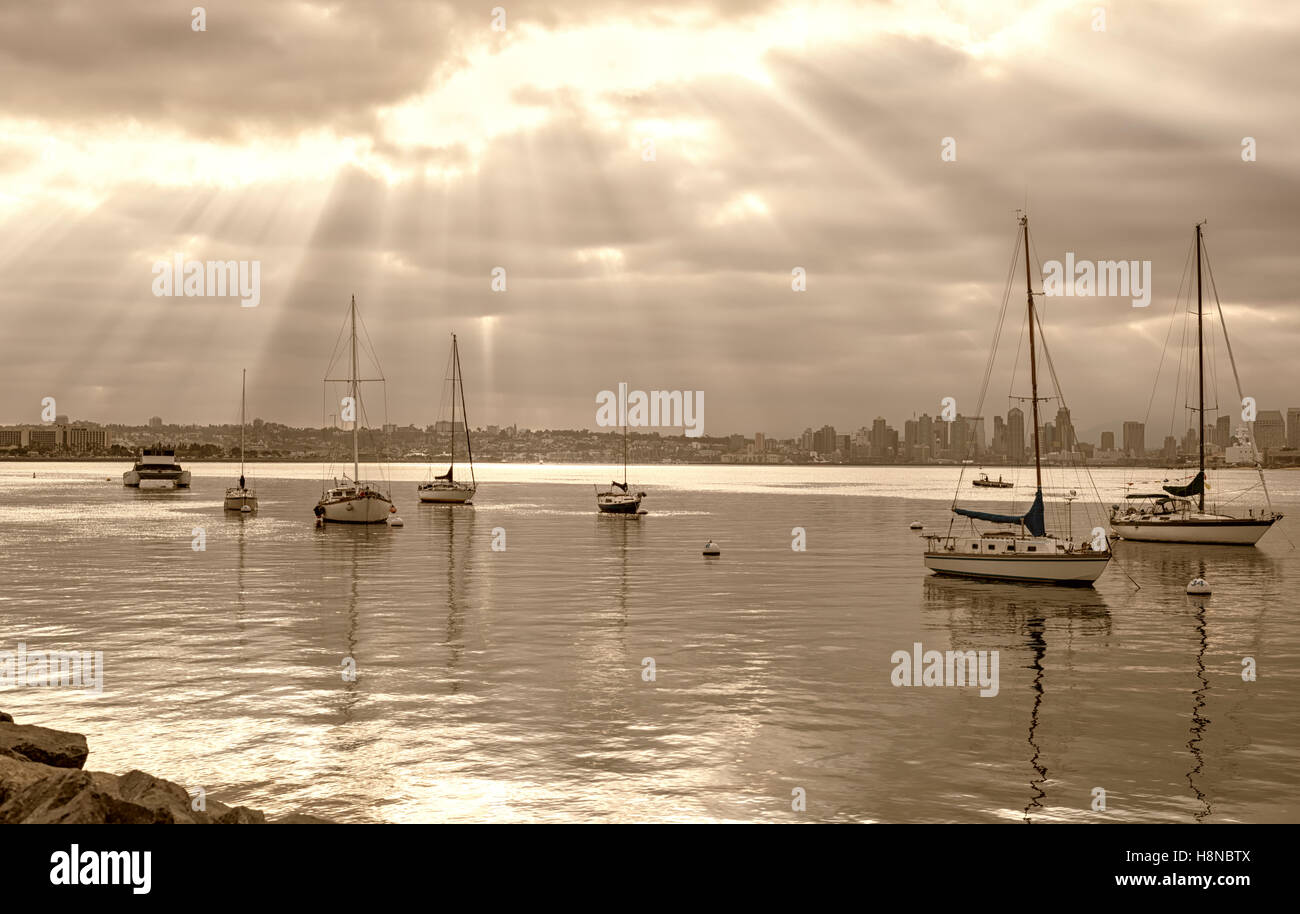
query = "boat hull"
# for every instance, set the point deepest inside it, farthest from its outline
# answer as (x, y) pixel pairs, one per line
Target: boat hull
(447, 495)
(1230, 532)
(1079, 570)
(371, 508)
(618, 504)
(238, 499)
(133, 478)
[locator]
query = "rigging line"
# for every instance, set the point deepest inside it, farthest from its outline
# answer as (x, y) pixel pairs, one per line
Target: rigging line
(1259, 463)
(1168, 335)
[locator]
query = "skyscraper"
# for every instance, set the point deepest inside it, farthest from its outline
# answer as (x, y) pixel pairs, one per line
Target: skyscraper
(879, 438)
(1135, 439)
(1016, 435)
(1270, 430)
(1108, 441)
(1293, 427)
(1064, 431)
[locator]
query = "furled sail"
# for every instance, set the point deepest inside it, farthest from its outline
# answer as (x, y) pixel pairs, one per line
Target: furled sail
(1195, 487)
(619, 485)
(1032, 519)
(446, 475)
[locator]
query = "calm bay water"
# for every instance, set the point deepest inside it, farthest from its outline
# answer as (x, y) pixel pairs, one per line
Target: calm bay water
(508, 685)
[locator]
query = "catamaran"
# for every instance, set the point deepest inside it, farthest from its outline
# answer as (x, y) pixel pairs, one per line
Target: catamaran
(241, 498)
(446, 489)
(1177, 514)
(1023, 550)
(352, 501)
(156, 467)
(618, 498)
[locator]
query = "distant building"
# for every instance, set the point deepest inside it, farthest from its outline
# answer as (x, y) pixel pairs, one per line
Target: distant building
(1270, 430)
(79, 438)
(1135, 439)
(760, 443)
(155, 422)
(1223, 431)
(1108, 441)
(1065, 439)
(1293, 427)
(1016, 435)
(824, 440)
(878, 436)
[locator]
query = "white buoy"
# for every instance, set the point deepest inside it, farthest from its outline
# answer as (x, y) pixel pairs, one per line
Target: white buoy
(395, 521)
(916, 525)
(711, 548)
(1198, 587)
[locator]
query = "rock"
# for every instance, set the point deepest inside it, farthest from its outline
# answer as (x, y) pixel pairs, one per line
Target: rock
(41, 782)
(48, 747)
(5, 718)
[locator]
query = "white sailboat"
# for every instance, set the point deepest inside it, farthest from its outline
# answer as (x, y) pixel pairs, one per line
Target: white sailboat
(241, 498)
(352, 501)
(1178, 514)
(446, 489)
(618, 498)
(1023, 550)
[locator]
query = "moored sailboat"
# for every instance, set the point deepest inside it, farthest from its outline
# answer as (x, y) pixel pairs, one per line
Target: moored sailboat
(446, 489)
(241, 498)
(352, 501)
(1178, 513)
(618, 498)
(1024, 550)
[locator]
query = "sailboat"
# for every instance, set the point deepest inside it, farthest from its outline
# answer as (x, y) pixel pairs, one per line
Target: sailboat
(1177, 514)
(352, 501)
(1024, 550)
(241, 497)
(618, 498)
(445, 489)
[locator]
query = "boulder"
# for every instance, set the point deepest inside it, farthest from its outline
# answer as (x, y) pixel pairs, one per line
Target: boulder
(48, 747)
(5, 718)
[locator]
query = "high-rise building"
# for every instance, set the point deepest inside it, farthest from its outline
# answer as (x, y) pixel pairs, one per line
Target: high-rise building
(911, 429)
(1065, 439)
(760, 443)
(806, 440)
(79, 438)
(879, 437)
(999, 444)
(1108, 441)
(1135, 439)
(1016, 435)
(155, 422)
(824, 440)
(1270, 430)
(978, 438)
(925, 437)
(1170, 450)
(1222, 431)
(1293, 427)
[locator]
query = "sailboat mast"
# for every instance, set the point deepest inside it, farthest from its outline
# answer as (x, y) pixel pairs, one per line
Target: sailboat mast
(464, 413)
(1033, 358)
(453, 401)
(243, 386)
(1200, 370)
(625, 457)
(356, 416)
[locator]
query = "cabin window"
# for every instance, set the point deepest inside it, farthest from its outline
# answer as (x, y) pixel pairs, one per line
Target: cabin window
(992, 547)
(1033, 549)
(1011, 548)
(974, 545)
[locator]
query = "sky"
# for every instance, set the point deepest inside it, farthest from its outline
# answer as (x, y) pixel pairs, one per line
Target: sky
(401, 151)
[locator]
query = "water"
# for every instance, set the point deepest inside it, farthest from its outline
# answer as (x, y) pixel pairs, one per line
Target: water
(508, 685)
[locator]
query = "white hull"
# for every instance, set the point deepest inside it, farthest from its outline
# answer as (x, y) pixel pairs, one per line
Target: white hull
(1048, 569)
(371, 508)
(618, 503)
(1206, 532)
(237, 499)
(134, 478)
(447, 495)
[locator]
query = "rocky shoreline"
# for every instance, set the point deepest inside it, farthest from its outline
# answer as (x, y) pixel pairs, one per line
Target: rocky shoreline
(43, 782)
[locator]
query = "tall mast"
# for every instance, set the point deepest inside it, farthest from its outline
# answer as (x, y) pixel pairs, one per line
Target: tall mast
(1033, 359)
(1200, 371)
(243, 384)
(356, 417)
(453, 401)
(625, 456)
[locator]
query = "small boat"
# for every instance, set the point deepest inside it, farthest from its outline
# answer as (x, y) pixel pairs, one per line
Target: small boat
(1024, 550)
(711, 549)
(618, 498)
(352, 501)
(157, 468)
(241, 498)
(446, 489)
(1178, 513)
(986, 483)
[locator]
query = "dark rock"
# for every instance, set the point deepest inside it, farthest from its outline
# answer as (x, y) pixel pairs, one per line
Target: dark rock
(5, 718)
(48, 747)
(71, 797)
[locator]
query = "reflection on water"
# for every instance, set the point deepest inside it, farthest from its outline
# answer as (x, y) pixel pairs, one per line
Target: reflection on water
(507, 685)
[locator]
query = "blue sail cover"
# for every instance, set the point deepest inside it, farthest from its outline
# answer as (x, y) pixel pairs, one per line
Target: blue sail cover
(1032, 519)
(1195, 487)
